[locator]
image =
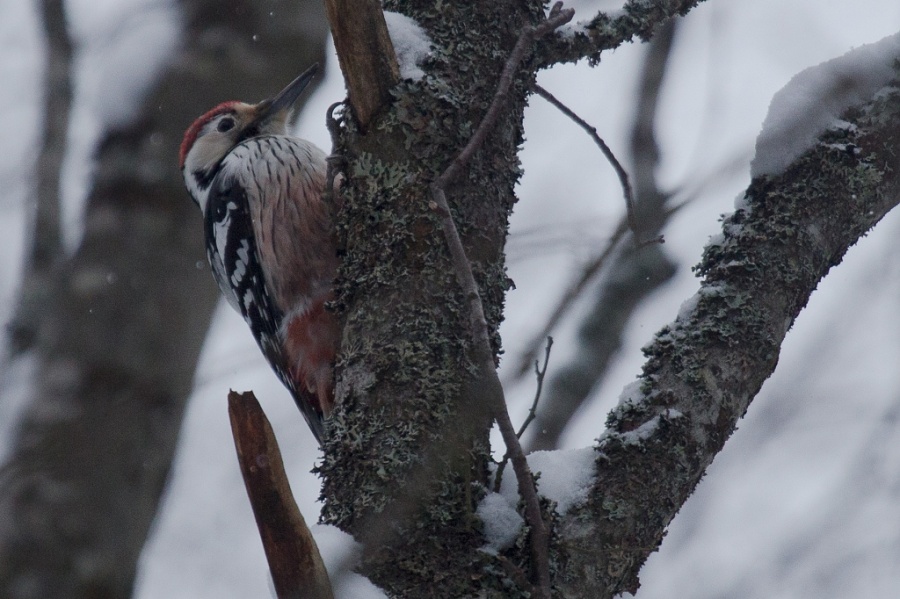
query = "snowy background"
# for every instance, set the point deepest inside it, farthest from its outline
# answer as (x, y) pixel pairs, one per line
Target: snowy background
(805, 499)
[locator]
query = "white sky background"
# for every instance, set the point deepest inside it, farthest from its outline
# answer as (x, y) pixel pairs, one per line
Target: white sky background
(805, 499)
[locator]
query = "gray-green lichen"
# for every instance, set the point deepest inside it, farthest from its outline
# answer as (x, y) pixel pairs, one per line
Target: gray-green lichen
(786, 234)
(409, 437)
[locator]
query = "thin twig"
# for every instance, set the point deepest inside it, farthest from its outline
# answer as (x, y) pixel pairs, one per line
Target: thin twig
(477, 322)
(589, 271)
(539, 374)
(645, 156)
(532, 413)
(617, 166)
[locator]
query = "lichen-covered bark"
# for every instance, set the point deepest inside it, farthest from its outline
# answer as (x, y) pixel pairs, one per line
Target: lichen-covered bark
(407, 448)
(406, 455)
(124, 319)
(705, 368)
(591, 37)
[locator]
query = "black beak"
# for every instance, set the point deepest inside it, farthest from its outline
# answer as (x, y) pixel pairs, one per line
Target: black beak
(285, 99)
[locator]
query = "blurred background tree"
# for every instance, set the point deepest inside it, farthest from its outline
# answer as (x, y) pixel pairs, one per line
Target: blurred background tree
(111, 332)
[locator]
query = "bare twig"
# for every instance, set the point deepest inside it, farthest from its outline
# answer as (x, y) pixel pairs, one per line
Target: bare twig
(365, 53)
(634, 274)
(650, 201)
(617, 166)
(477, 322)
(589, 271)
(294, 560)
(565, 302)
(540, 373)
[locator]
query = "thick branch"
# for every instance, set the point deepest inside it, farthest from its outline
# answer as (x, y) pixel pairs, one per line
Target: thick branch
(588, 39)
(366, 54)
(294, 560)
(705, 368)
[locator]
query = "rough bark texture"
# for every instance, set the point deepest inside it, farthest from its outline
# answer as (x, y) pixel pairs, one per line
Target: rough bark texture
(125, 319)
(593, 36)
(406, 449)
(705, 368)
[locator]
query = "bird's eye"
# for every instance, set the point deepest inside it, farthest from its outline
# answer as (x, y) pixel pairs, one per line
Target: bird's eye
(226, 124)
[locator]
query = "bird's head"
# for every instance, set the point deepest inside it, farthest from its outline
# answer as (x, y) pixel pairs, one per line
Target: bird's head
(209, 139)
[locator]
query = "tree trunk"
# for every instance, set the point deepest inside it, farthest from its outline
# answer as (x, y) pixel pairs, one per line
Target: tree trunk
(407, 451)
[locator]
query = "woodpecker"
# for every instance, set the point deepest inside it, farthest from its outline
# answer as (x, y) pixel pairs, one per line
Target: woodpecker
(270, 238)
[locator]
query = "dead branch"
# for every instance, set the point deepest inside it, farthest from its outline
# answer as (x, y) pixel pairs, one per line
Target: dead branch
(294, 560)
(365, 53)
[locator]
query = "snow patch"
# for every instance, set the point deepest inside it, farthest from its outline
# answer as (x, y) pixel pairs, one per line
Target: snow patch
(814, 99)
(502, 523)
(565, 475)
(646, 430)
(340, 554)
(632, 393)
(689, 305)
(411, 44)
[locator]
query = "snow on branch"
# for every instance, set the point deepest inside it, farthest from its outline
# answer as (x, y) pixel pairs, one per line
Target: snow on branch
(815, 98)
(605, 31)
(411, 44)
(705, 368)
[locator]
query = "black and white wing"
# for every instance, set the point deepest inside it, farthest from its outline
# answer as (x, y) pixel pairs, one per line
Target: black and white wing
(233, 256)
